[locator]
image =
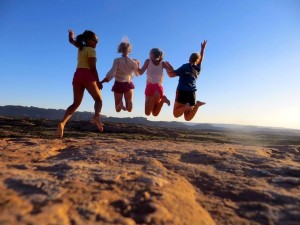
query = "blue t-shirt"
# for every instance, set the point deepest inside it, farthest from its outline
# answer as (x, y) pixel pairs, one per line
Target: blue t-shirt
(188, 75)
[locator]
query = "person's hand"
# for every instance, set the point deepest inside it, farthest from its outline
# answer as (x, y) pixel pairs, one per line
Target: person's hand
(137, 62)
(169, 67)
(203, 44)
(100, 85)
(71, 34)
(167, 63)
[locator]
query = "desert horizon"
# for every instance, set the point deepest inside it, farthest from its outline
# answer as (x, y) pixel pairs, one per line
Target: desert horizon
(164, 113)
(34, 112)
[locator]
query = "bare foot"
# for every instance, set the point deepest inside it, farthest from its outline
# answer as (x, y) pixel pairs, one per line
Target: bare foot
(60, 130)
(198, 103)
(166, 100)
(96, 120)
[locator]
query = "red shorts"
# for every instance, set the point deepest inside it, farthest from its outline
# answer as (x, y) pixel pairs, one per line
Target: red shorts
(152, 88)
(82, 77)
(122, 87)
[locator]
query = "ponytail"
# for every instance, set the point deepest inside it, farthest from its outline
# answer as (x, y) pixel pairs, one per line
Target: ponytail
(81, 39)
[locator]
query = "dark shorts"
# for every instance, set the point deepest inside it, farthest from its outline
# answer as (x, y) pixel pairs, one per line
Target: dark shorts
(152, 88)
(82, 77)
(122, 87)
(184, 97)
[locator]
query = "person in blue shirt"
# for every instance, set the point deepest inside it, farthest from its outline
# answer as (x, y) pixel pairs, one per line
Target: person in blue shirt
(185, 102)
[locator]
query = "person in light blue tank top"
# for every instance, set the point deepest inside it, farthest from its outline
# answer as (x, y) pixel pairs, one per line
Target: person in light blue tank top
(185, 103)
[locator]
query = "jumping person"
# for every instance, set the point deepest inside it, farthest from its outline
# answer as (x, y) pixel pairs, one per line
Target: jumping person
(154, 91)
(123, 70)
(85, 77)
(185, 102)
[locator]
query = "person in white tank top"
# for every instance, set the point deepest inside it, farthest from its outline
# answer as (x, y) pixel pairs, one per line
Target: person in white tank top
(155, 74)
(154, 91)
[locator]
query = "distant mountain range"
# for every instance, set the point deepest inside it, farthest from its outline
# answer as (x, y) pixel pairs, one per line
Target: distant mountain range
(57, 114)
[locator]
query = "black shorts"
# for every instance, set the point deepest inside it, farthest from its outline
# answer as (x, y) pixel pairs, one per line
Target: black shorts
(184, 97)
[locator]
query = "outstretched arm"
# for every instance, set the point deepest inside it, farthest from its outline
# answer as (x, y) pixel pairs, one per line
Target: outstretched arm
(72, 38)
(111, 73)
(169, 68)
(203, 45)
(105, 79)
(144, 67)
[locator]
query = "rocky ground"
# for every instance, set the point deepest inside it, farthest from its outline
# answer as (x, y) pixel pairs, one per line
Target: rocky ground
(133, 174)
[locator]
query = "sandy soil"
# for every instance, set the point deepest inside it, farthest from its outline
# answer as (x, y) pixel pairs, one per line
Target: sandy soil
(116, 181)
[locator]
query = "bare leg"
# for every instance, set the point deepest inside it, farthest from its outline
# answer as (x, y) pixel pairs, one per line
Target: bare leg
(189, 115)
(179, 109)
(77, 98)
(96, 95)
(119, 101)
(128, 99)
(150, 103)
(159, 104)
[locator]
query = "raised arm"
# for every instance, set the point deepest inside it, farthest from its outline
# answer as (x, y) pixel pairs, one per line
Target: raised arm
(144, 67)
(72, 38)
(203, 45)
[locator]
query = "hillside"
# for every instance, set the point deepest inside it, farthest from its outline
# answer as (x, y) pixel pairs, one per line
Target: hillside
(56, 114)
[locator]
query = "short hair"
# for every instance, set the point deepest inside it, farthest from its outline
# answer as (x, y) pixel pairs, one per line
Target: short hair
(124, 47)
(194, 57)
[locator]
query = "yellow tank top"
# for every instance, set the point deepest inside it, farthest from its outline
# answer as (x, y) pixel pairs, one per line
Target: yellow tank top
(84, 55)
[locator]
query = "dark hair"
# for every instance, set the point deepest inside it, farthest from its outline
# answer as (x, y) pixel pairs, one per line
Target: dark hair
(194, 57)
(157, 53)
(81, 39)
(124, 47)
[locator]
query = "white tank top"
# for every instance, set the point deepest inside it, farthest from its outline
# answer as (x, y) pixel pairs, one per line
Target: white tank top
(155, 74)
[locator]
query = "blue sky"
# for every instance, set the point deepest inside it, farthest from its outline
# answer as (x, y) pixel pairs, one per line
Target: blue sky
(250, 74)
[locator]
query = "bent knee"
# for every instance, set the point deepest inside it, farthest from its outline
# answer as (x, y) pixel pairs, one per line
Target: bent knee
(75, 105)
(176, 114)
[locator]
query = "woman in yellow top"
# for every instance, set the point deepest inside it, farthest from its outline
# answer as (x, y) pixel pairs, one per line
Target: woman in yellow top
(85, 77)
